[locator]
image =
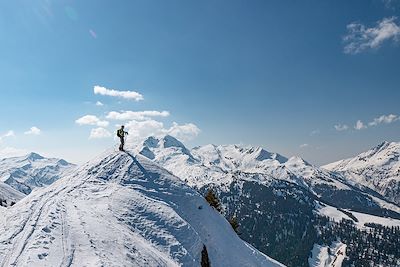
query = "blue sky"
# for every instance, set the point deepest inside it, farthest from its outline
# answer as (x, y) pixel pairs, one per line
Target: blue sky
(279, 74)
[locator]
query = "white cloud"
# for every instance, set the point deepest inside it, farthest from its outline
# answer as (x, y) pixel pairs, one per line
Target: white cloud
(136, 115)
(340, 127)
(315, 132)
(98, 103)
(360, 125)
(139, 130)
(98, 133)
(10, 133)
(33, 131)
(386, 119)
(303, 145)
(132, 95)
(8, 152)
(360, 38)
(91, 120)
(391, 3)
(183, 132)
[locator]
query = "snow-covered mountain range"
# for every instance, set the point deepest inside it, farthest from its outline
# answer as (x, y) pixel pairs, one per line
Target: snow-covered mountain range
(219, 165)
(378, 169)
(276, 200)
(31, 171)
(120, 210)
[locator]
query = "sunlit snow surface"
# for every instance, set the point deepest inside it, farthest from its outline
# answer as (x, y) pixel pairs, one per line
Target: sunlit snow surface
(378, 168)
(324, 256)
(118, 210)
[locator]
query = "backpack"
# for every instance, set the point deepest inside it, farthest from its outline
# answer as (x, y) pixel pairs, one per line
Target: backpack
(119, 134)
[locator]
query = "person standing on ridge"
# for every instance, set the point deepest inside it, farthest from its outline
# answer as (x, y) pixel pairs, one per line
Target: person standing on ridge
(121, 134)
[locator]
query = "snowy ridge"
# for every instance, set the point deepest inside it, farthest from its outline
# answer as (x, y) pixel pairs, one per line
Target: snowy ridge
(378, 168)
(31, 171)
(119, 210)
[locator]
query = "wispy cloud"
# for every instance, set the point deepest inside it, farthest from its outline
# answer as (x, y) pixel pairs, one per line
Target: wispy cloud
(341, 127)
(184, 132)
(136, 115)
(304, 145)
(360, 38)
(10, 133)
(360, 125)
(98, 103)
(33, 131)
(315, 132)
(99, 133)
(138, 130)
(386, 119)
(12, 152)
(131, 95)
(391, 3)
(91, 120)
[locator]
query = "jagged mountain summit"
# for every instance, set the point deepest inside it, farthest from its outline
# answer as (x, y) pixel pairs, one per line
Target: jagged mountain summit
(31, 171)
(378, 169)
(120, 210)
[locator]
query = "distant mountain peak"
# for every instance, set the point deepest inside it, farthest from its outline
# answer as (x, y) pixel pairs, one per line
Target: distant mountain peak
(34, 156)
(151, 141)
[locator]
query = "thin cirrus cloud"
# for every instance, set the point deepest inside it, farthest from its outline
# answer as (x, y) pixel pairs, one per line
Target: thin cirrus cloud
(303, 145)
(384, 119)
(360, 125)
(360, 38)
(91, 120)
(98, 103)
(10, 133)
(33, 131)
(139, 130)
(130, 95)
(136, 115)
(99, 133)
(341, 127)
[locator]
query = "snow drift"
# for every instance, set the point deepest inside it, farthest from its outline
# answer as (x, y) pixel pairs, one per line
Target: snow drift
(119, 210)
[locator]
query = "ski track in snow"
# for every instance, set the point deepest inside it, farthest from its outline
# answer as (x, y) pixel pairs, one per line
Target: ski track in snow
(117, 211)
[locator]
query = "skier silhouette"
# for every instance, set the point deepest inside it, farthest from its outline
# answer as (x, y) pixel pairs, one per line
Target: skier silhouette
(121, 134)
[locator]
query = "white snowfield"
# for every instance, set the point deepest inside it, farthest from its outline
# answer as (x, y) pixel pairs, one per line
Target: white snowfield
(362, 218)
(119, 210)
(323, 256)
(378, 168)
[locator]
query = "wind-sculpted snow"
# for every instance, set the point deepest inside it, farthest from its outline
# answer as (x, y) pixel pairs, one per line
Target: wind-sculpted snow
(119, 210)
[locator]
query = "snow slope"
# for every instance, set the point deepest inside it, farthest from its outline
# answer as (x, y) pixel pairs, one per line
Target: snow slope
(28, 172)
(9, 195)
(119, 210)
(378, 168)
(323, 256)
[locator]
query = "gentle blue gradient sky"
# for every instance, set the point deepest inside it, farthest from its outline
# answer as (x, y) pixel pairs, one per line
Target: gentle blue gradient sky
(262, 72)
